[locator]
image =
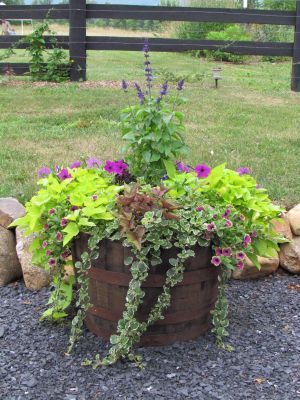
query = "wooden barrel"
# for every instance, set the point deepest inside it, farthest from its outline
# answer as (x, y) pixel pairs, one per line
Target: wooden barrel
(192, 300)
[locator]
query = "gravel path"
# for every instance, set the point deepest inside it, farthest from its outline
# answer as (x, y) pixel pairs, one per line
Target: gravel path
(265, 332)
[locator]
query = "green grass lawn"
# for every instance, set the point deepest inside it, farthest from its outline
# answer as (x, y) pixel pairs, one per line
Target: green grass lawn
(252, 120)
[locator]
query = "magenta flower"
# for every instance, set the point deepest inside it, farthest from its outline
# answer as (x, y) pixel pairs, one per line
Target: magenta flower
(202, 170)
(74, 208)
(75, 164)
(199, 209)
(44, 244)
(93, 162)
(240, 255)
(64, 222)
(109, 167)
(211, 227)
(120, 167)
(180, 166)
(94, 197)
(247, 240)
(52, 211)
(59, 236)
(215, 216)
(52, 262)
(226, 213)
(242, 217)
(46, 226)
(240, 265)
(243, 171)
(254, 234)
(64, 174)
(228, 223)
(227, 252)
(218, 251)
(216, 261)
(45, 171)
(48, 253)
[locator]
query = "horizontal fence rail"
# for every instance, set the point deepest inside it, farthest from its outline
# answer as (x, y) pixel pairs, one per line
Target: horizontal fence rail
(77, 12)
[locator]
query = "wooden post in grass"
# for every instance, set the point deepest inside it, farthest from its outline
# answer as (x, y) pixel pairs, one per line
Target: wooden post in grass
(77, 39)
(296, 55)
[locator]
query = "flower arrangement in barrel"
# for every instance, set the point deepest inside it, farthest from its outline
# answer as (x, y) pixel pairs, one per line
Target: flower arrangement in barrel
(128, 199)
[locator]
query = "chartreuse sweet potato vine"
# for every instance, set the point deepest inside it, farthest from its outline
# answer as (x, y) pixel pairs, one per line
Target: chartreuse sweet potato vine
(150, 202)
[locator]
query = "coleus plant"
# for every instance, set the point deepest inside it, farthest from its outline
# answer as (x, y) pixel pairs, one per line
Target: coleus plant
(150, 202)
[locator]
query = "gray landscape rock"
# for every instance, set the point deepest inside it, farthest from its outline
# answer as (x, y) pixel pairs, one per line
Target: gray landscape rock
(35, 277)
(290, 256)
(10, 268)
(250, 271)
(10, 209)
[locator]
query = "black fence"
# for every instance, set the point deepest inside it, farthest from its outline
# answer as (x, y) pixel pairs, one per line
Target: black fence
(77, 12)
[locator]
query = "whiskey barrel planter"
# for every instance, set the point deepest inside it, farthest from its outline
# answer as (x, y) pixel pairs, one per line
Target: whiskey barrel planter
(192, 300)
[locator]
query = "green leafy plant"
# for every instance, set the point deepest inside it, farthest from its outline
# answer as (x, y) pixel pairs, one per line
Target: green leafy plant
(230, 34)
(45, 64)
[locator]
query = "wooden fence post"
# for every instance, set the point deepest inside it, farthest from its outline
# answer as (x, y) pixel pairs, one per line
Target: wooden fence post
(296, 55)
(77, 39)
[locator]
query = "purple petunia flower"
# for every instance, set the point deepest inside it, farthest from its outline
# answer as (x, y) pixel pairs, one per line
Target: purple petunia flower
(64, 174)
(199, 209)
(75, 164)
(94, 197)
(228, 223)
(164, 178)
(93, 163)
(46, 226)
(124, 85)
(57, 168)
(247, 240)
(243, 171)
(180, 166)
(242, 217)
(227, 252)
(64, 222)
(48, 253)
(211, 227)
(180, 85)
(240, 255)
(59, 236)
(216, 261)
(45, 171)
(52, 211)
(52, 262)
(44, 244)
(74, 208)
(202, 170)
(218, 251)
(240, 265)
(254, 234)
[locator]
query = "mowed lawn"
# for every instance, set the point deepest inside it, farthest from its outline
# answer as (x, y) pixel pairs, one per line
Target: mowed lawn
(252, 120)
